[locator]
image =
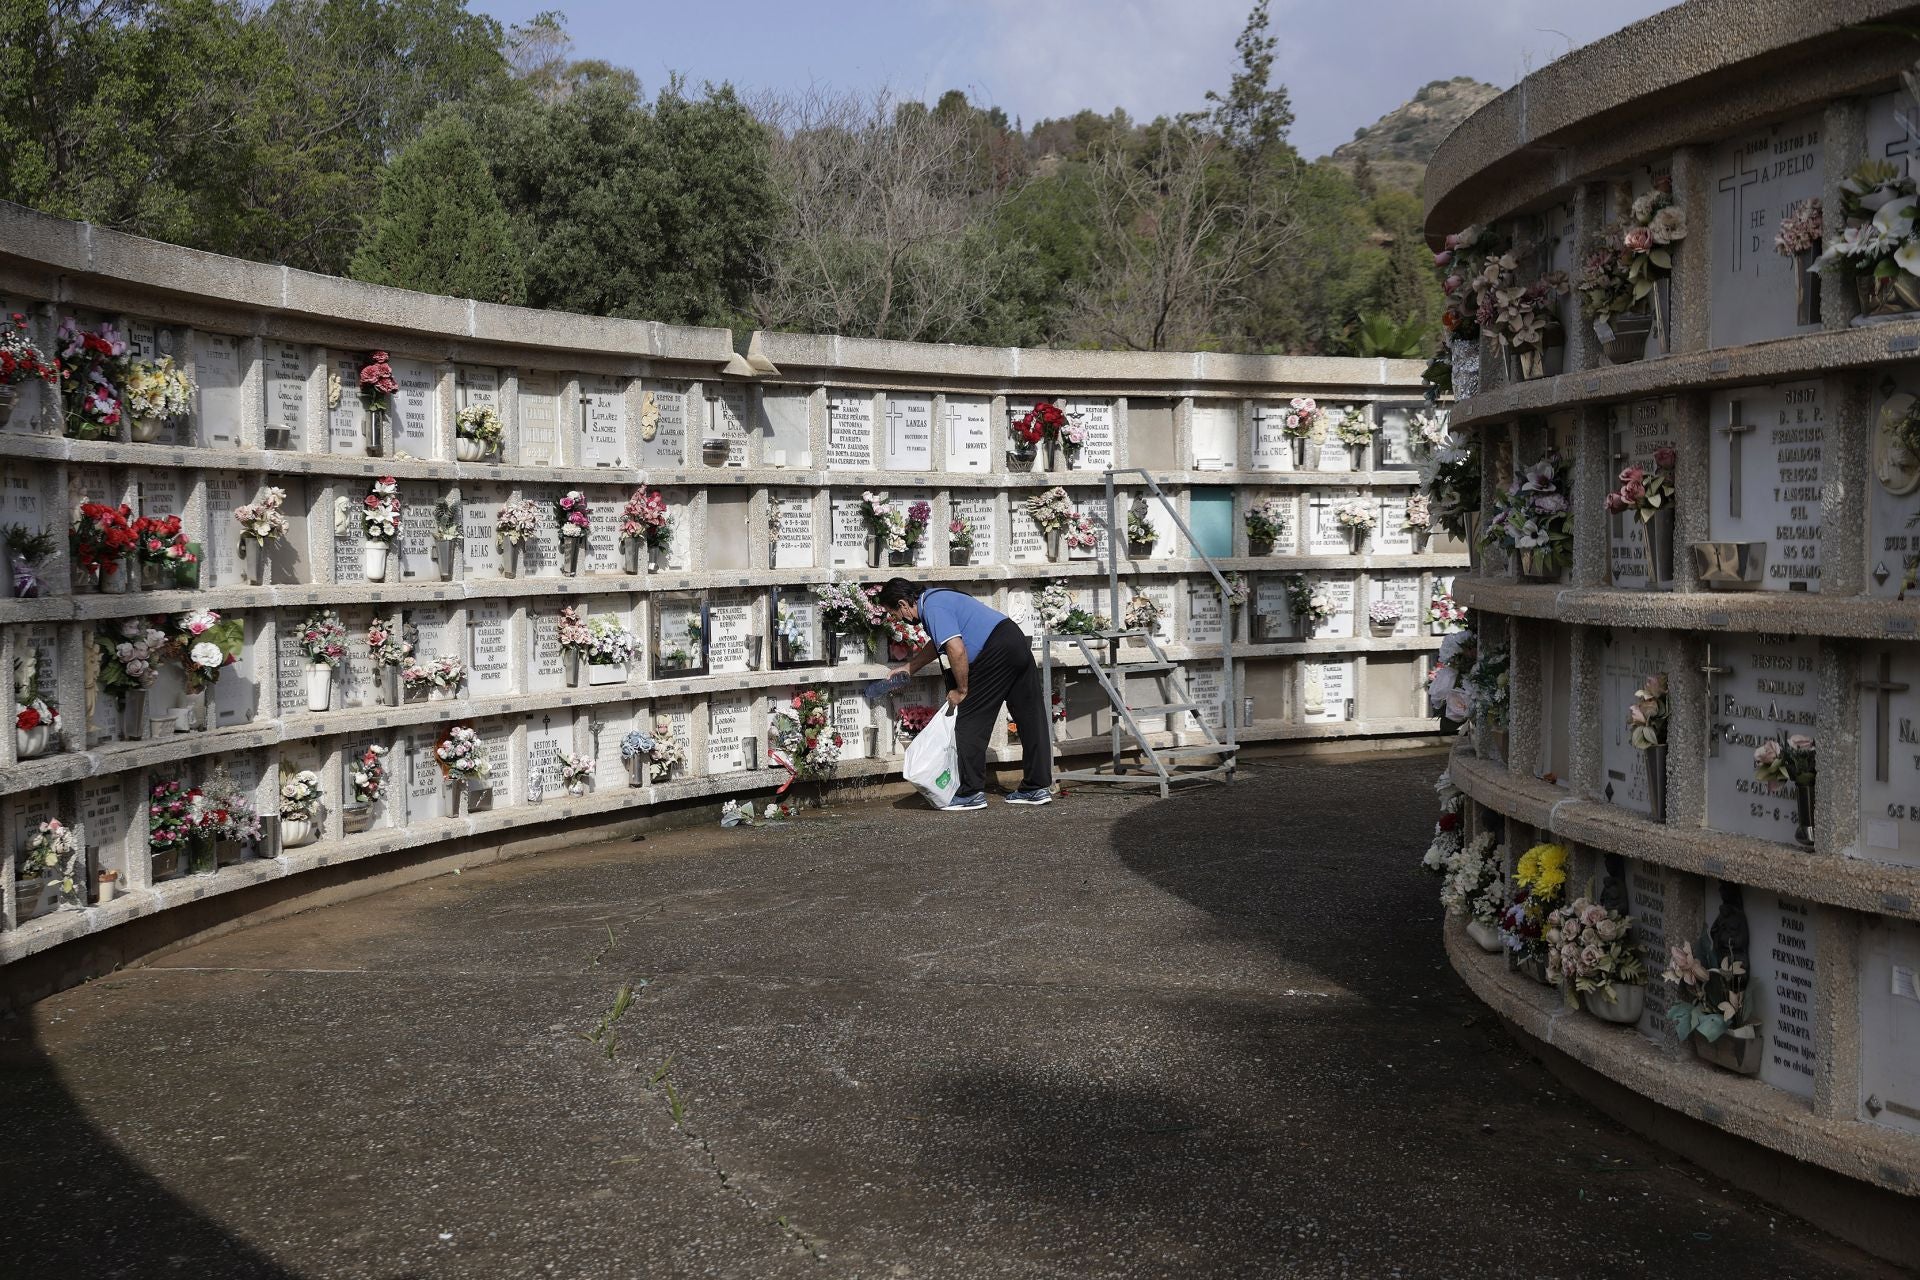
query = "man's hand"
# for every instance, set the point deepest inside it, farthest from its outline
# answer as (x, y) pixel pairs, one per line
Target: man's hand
(955, 697)
(900, 673)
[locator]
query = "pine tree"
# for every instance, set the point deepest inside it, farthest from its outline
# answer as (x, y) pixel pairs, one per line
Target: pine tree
(439, 225)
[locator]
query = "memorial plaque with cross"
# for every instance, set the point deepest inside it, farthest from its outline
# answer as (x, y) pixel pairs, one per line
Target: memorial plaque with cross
(548, 734)
(969, 434)
(1403, 589)
(1889, 979)
(603, 421)
(1783, 976)
(1325, 536)
(1889, 686)
(909, 433)
(1772, 688)
(416, 409)
(1759, 177)
(729, 726)
(1627, 658)
(727, 409)
(1272, 450)
(848, 534)
(1765, 477)
(1893, 493)
(345, 419)
(1096, 417)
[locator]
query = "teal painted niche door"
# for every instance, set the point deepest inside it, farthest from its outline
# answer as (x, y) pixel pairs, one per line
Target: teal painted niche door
(1211, 516)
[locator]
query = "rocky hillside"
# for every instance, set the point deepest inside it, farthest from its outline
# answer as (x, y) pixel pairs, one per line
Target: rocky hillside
(1398, 145)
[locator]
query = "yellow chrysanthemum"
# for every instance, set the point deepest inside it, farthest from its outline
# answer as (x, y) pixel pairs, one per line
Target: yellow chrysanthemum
(1543, 869)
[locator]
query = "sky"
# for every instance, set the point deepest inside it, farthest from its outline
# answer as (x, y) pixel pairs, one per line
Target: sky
(1345, 62)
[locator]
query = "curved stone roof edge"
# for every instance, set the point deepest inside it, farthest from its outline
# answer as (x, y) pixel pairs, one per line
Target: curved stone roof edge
(1665, 56)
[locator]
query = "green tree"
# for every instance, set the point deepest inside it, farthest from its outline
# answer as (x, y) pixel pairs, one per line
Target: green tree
(439, 226)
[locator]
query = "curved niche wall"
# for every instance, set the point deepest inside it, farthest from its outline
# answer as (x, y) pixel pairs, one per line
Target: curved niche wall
(760, 463)
(1772, 590)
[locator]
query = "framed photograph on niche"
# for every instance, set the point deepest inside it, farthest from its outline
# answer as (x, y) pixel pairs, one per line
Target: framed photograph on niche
(680, 630)
(793, 624)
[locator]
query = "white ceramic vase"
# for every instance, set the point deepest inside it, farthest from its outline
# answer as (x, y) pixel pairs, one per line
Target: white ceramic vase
(374, 558)
(319, 687)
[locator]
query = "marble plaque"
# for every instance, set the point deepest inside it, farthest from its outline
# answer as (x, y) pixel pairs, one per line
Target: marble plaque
(1019, 607)
(1403, 589)
(668, 447)
(434, 626)
(540, 554)
(1272, 450)
(355, 679)
(1758, 178)
(545, 669)
(226, 491)
(539, 406)
(730, 619)
(1325, 537)
(851, 716)
(479, 507)
(849, 545)
(1203, 612)
(1773, 688)
(727, 419)
(104, 809)
(679, 727)
(1216, 434)
(548, 734)
(414, 546)
(235, 696)
(419, 773)
(218, 375)
(1326, 691)
(491, 671)
(1889, 978)
(1273, 615)
(603, 421)
(1627, 657)
(1161, 593)
(1890, 755)
(1893, 495)
(850, 433)
(1206, 689)
(1638, 429)
(1647, 905)
(1764, 478)
(416, 409)
(476, 385)
(786, 421)
(729, 725)
(346, 420)
(602, 552)
(677, 635)
(1097, 417)
(792, 528)
(978, 510)
(909, 434)
(287, 365)
(969, 434)
(1390, 536)
(1784, 971)
(606, 726)
(290, 666)
(1287, 541)
(349, 540)
(20, 500)
(1341, 596)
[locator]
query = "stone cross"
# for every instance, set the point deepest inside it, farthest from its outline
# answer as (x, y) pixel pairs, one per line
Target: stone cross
(1737, 185)
(1710, 670)
(1886, 687)
(1733, 431)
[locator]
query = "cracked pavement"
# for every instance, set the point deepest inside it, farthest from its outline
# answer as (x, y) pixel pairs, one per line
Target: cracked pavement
(1113, 1037)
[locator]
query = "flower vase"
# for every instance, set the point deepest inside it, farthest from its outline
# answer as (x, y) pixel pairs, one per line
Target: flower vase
(1657, 782)
(253, 560)
(1305, 627)
(1259, 546)
(509, 559)
(115, 578)
(1740, 1055)
(451, 790)
(876, 550)
(319, 687)
(202, 858)
(1623, 338)
(389, 685)
(1803, 813)
(606, 673)
(659, 772)
(1299, 444)
(439, 693)
(356, 819)
(756, 645)
(1357, 456)
(144, 430)
(1052, 447)
(29, 743)
(156, 576)
(1484, 936)
(570, 660)
(1054, 539)
(1020, 459)
(443, 558)
(466, 449)
(133, 715)
(576, 788)
(630, 555)
(9, 397)
(1622, 1004)
(1806, 288)
(656, 558)
(373, 558)
(295, 832)
(637, 771)
(376, 432)
(1382, 630)
(1659, 531)
(1536, 565)
(570, 556)
(1420, 537)
(1356, 540)
(959, 557)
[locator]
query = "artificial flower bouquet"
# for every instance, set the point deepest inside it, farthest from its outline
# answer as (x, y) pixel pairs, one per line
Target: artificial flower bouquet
(644, 519)
(377, 383)
(517, 520)
(1384, 615)
(1353, 428)
(156, 391)
(21, 361)
(92, 363)
(299, 795)
(264, 519)
(480, 423)
(1428, 429)
(387, 642)
(1048, 423)
(1450, 478)
(1879, 248)
(224, 809)
(1633, 256)
(1419, 516)
(1524, 317)
(1475, 883)
(461, 756)
(323, 638)
(1591, 952)
(1535, 519)
(849, 609)
(1267, 522)
(173, 815)
(160, 545)
(204, 643)
(1711, 1004)
(1357, 516)
(1052, 510)
(960, 535)
(1304, 420)
(1539, 887)
(1444, 613)
(446, 517)
(102, 537)
(1464, 256)
(805, 734)
(1308, 601)
(1141, 614)
(54, 849)
(380, 511)
(1648, 714)
(1447, 690)
(1791, 757)
(1239, 590)
(570, 515)
(442, 675)
(608, 644)
(1643, 492)
(367, 775)
(1141, 532)
(130, 653)
(576, 771)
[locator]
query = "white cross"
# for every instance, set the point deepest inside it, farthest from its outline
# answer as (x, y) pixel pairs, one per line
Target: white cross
(1886, 687)
(1709, 670)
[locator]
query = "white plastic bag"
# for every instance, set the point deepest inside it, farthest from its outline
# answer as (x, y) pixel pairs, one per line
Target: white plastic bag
(933, 760)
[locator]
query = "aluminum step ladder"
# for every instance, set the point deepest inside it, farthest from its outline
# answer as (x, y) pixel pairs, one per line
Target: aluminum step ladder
(1112, 658)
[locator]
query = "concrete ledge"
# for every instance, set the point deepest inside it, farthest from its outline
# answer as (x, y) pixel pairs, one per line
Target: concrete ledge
(1740, 612)
(1855, 1180)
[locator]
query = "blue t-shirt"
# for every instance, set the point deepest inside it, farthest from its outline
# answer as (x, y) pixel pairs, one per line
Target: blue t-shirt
(946, 613)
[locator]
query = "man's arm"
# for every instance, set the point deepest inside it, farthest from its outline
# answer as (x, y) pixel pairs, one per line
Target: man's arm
(921, 657)
(957, 660)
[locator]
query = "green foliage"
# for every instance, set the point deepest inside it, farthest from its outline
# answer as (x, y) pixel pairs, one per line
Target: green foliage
(439, 226)
(1380, 335)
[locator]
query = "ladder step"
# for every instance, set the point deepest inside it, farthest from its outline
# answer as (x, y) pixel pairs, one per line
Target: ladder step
(1136, 668)
(1195, 749)
(1169, 709)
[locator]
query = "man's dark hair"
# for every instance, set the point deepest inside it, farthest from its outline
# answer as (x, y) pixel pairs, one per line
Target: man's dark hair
(897, 591)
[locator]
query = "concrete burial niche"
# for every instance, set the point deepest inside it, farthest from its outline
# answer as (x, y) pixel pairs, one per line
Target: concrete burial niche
(1774, 594)
(458, 690)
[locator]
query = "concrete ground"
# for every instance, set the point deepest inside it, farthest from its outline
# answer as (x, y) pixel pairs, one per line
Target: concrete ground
(1210, 1036)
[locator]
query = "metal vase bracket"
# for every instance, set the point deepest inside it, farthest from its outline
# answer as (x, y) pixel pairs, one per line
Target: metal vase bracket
(1656, 761)
(509, 558)
(570, 556)
(1659, 531)
(1803, 794)
(443, 558)
(1730, 566)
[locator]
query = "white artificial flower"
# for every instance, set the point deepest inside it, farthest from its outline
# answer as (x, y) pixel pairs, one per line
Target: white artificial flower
(1895, 219)
(206, 654)
(1907, 257)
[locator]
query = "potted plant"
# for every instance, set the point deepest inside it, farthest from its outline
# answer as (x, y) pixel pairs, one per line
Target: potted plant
(299, 806)
(36, 722)
(576, 772)
(517, 521)
(1525, 321)
(1357, 516)
(1383, 616)
(1475, 886)
(959, 541)
(22, 552)
(1647, 730)
(1624, 269)
(1535, 521)
(162, 550)
(204, 644)
(1444, 613)
(129, 656)
(570, 517)
(379, 526)
(157, 393)
(92, 363)
(1539, 885)
(477, 433)
(644, 522)
(102, 539)
(1354, 429)
(1711, 1014)
(1791, 758)
(21, 363)
(1305, 423)
(1142, 614)
(1879, 248)
(1309, 604)
(377, 389)
(261, 521)
(391, 650)
(54, 850)
(1592, 956)
(1649, 495)
(1267, 522)
(1141, 534)
(1801, 232)
(446, 531)
(323, 639)
(367, 776)
(463, 763)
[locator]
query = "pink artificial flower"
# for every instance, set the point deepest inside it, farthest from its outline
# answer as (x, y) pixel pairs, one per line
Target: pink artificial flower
(1637, 239)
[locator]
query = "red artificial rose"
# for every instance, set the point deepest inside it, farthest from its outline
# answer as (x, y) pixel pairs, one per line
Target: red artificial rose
(1448, 821)
(29, 718)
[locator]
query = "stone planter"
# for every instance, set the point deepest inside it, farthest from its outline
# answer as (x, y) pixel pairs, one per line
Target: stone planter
(1623, 1004)
(144, 430)
(1485, 936)
(1731, 1053)
(443, 558)
(1659, 531)
(509, 558)
(1730, 566)
(295, 832)
(30, 743)
(570, 557)
(606, 673)
(1657, 782)
(319, 687)
(1382, 630)
(373, 559)
(1623, 339)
